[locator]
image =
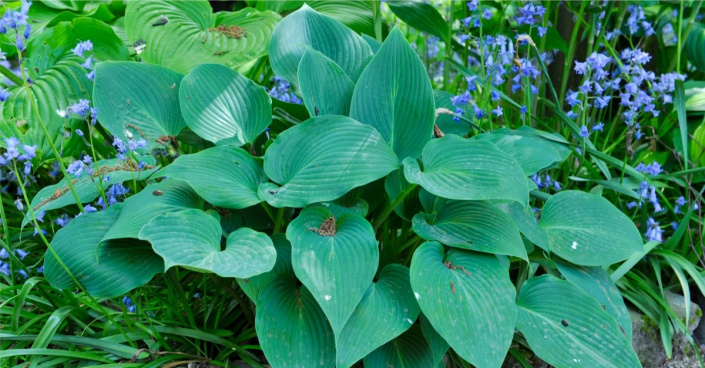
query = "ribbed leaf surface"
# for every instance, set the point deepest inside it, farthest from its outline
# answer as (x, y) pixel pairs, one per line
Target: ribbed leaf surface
(526, 223)
(567, 328)
(325, 87)
(596, 282)
(252, 285)
(224, 176)
(394, 95)
(191, 238)
(387, 309)
(291, 327)
(457, 168)
(588, 230)
(410, 350)
(115, 171)
(194, 35)
(122, 266)
(469, 300)
(323, 158)
(322, 33)
(137, 100)
(58, 81)
(422, 16)
(153, 200)
(335, 258)
(222, 106)
(529, 147)
(475, 225)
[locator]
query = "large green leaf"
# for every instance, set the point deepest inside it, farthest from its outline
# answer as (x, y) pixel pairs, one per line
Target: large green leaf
(138, 100)
(394, 95)
(121, 266)
(385, 312)
(526, 223)
(58, 81)
(291, 327)
(588, 230)
(323, 158)
(422, 16)
(469, 300)
(335, 258)
(322, 33)
(357, 15)
(194, 35)
(225, 176)
(475, 225)
(529, 147)
(153, 200)
(410, 350)
(567, 328)
(88, 187)
(596, 282)
(191, 238)
(458, 168)
(693, 45)
(325, 87)
(252, 285)
(222, 106)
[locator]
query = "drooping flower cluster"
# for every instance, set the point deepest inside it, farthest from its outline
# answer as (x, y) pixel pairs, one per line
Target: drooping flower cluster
(80, 49)
(281, 90)
(15, 21)
(5, 267)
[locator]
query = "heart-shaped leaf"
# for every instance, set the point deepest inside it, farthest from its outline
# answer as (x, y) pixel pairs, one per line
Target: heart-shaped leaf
(469, 300)
(567, 328)
(335, 258)
(475, 225)
(122, 265)
(191, 238)
(529, 147)
(385, 312)
(410, 350)
(224, 176)
(596, 282)
(394, 95)
(111, 171)
(322, 33)
(183, 34)
(588, 230)
(58, 80)
(291, 327)
(252, 285)
(457, 168)
(325, 87)
(323, 158)
(222, 106)
(155, 199)
(138, 100)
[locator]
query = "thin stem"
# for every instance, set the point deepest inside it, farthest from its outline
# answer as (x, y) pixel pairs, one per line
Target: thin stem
(35, 110)
(10, 75)
(571, 52)
(388, 210)
(278, 222)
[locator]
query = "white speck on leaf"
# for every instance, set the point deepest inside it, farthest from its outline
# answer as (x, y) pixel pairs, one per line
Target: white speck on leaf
(410, 321)
(417, 295)
(327, 297)
(574, 245)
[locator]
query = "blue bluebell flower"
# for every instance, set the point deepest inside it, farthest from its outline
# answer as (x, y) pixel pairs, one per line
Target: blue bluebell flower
(654, 232)
(82, 47)
(584, 133)
(598, 127)
(4, 94)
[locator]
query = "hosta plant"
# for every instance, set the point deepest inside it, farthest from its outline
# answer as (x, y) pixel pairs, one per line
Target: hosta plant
(362, 233)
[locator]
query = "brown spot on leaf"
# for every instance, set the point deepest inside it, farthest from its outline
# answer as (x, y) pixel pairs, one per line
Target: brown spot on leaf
(230, 31)
(327, 228)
